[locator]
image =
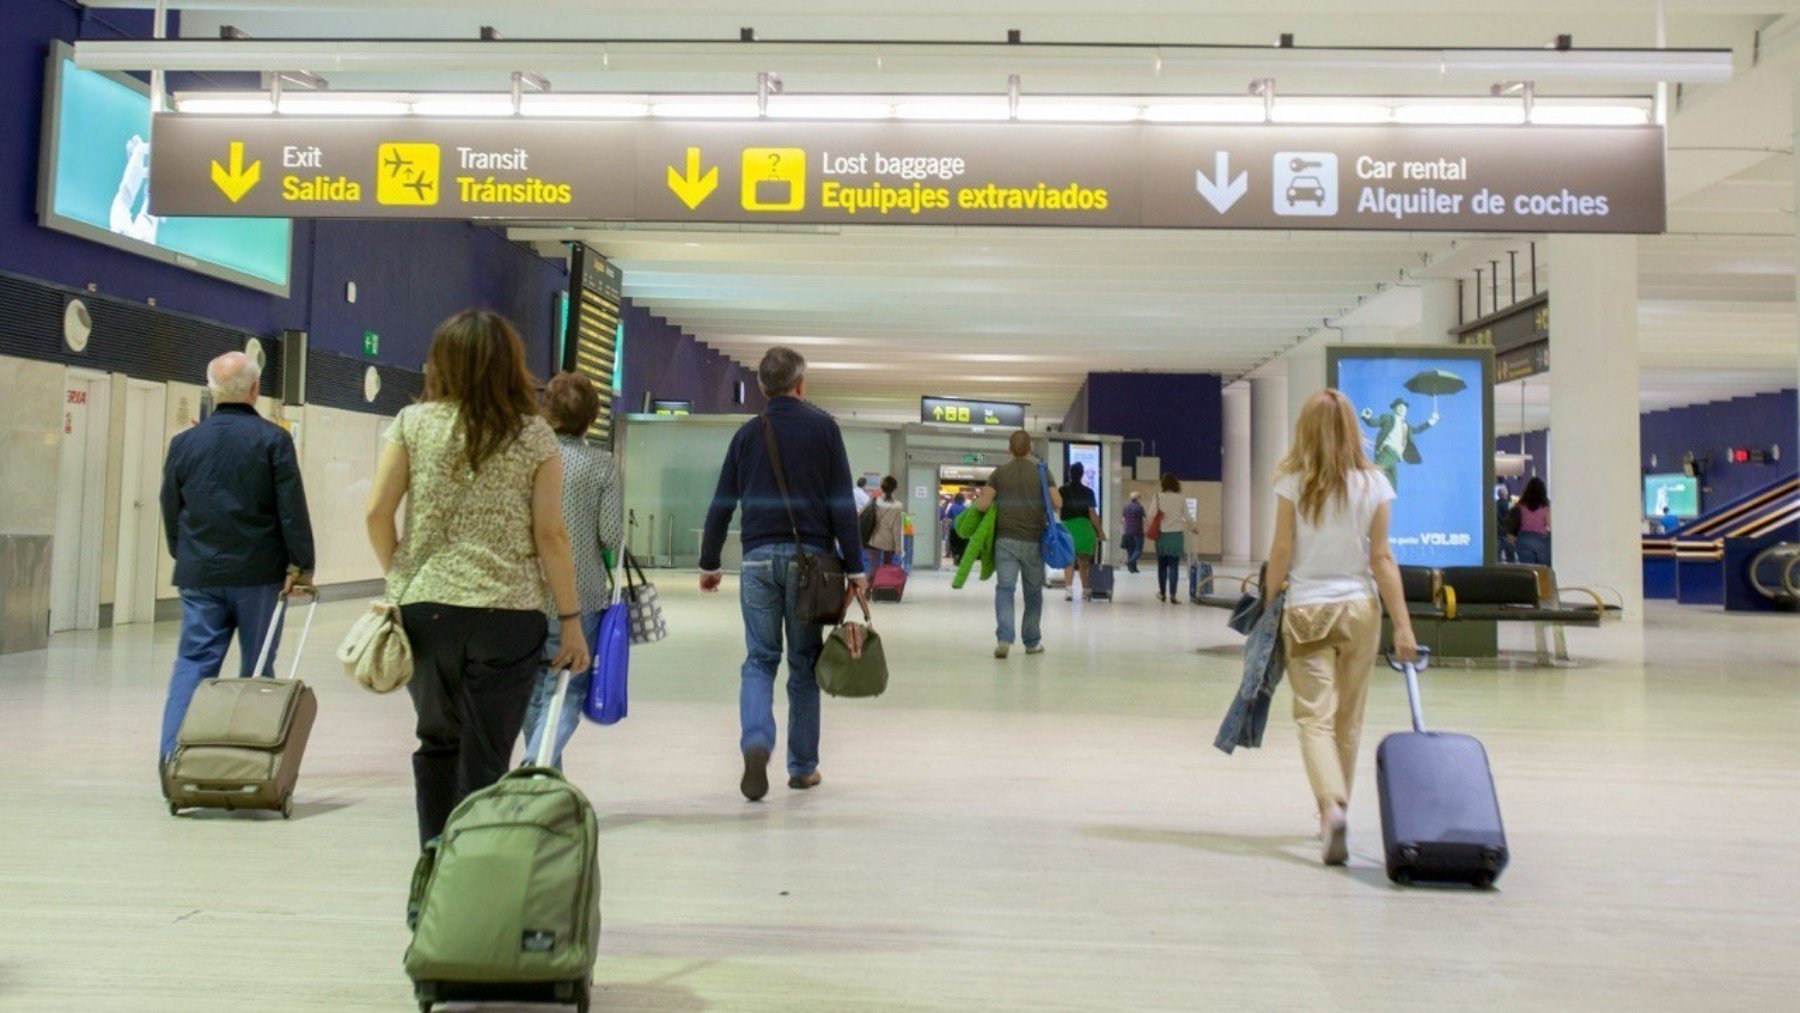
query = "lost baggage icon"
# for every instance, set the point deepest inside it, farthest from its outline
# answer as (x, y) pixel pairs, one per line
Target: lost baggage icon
(774, 179)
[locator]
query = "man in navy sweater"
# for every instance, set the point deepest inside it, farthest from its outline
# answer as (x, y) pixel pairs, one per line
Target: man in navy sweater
(820, 513)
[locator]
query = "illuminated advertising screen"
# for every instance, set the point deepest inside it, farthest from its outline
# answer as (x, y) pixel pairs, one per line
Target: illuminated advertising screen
(1675, 492)
(1426, 415)
(95, 183)
(1088, 456)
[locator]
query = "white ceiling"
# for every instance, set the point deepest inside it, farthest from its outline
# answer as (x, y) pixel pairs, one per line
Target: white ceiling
(888, 314)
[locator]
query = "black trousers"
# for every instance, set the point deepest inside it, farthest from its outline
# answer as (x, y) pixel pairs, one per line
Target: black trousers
(472, 675)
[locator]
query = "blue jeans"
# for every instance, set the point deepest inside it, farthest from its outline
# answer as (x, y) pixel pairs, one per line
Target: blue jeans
(1168, 575)
(767, 596)
(1012, 559)
(1134, 550)
(543, 690)
(209, 616)
(1533, 547)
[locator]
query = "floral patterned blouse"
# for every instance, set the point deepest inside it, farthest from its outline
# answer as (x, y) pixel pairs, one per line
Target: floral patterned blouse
(468, 537)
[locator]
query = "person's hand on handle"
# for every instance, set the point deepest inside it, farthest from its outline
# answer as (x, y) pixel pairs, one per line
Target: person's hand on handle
(573, 653)
(859, 586)
(1406, 646)
(709, 582)
(298, 582)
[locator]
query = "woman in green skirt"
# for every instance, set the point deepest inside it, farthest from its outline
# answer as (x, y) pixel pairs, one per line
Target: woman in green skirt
(1082, 519)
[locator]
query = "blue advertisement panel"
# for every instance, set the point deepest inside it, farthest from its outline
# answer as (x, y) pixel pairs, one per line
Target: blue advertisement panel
(97, 185)
(1675, 492)
(1427, 418)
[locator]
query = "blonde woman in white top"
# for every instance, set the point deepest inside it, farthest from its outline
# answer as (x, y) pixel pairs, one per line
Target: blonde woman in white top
(1331, 551)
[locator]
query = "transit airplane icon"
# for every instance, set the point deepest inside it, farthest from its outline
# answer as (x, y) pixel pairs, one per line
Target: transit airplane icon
(395, 163)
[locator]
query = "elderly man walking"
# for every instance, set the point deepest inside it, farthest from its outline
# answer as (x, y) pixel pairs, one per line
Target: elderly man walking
(234, 513)
(807, 502)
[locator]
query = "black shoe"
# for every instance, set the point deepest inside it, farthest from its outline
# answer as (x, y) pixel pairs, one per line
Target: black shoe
(162, 776)
(756, 774)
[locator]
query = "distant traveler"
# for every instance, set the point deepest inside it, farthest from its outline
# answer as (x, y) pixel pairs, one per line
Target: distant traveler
(234, 514)
(1080, 516)
(1534, 523)
(1506, 531)
(956, 542)
(1171, 541)
(1015, 491)
(482, 479)
(1133, 541)
(889, 536)
(1668, 522)
(593, 510)
(817, 511)
(863, 498)
(1331, 550)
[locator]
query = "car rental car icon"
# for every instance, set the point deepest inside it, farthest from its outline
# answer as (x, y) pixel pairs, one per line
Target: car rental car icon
(1306, 188)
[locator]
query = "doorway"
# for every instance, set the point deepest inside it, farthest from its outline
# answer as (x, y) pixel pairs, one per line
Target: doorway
(140, 533)
(80, 503)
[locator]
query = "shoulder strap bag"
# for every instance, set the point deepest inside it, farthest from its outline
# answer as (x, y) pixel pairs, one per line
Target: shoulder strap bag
(1057, 545)
(376, 652)
(815, 579)
(645, 611)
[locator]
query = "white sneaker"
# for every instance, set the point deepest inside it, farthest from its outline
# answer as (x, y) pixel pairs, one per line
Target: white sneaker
(1036, 649)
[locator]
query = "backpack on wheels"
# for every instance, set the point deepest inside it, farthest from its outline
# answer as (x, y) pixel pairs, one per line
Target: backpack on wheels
(505, 905)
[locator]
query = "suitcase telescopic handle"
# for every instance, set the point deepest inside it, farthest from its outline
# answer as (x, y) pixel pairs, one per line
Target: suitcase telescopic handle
(278, 620)
(547, 737)
(1411, 670)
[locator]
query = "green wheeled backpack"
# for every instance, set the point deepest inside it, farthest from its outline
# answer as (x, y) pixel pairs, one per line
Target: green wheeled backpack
(506, 904)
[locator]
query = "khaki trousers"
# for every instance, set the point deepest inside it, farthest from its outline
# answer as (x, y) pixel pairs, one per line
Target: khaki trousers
(1330, 675)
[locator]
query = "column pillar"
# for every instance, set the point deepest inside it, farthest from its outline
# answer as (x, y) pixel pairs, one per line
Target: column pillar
(1594, 416)
(1235, 481)
(1438, 311)
(1269, 429)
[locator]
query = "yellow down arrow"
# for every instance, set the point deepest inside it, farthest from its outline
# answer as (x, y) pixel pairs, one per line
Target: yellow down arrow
(693, 187)
(236, 181)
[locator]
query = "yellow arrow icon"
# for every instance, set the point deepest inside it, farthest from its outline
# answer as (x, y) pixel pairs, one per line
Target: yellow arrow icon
(236, 181)
(693, 187)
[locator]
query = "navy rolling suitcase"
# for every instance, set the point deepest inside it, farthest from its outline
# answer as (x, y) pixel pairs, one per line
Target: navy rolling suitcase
(1100, 579)
(1440, 818)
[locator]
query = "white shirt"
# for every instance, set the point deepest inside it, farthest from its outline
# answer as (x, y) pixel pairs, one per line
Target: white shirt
(1396, 440)
(1331, 558)
(863, 498)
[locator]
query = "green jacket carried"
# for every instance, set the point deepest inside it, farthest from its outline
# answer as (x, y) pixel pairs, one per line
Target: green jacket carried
(978, 527)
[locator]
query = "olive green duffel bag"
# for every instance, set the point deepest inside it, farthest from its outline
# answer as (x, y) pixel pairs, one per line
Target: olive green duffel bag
(506, 904)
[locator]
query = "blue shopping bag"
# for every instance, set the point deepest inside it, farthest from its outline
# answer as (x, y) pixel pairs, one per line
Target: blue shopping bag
(606, 700)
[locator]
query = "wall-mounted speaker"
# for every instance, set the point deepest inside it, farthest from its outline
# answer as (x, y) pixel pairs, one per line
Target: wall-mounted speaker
(293, 367)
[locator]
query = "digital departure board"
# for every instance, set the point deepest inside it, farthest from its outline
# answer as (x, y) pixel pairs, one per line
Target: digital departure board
(590, 347)
(964, 412)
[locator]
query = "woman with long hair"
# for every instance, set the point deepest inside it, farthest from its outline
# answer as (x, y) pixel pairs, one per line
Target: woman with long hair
(889, 534)
(1331, 551)
(481, 477)
(1080, 516)
(1171, 539)
(1533, 518)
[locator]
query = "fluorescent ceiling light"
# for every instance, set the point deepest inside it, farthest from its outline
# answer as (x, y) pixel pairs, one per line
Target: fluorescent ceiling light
(706, 107)
(1504, 111)
(1589, 115)
(463, 105)
(327, 104)
(1094, 110)
(949, 107)
(596, 106)
(1330, 112)
(843, 365)
(232, 105)
(1206, 110)
(830, 107)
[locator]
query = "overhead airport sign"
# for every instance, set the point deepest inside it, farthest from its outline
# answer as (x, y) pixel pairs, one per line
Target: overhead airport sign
(964, 412)
(1406, 178)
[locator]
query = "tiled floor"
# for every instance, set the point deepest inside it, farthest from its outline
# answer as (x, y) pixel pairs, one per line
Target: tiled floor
(1040, 833)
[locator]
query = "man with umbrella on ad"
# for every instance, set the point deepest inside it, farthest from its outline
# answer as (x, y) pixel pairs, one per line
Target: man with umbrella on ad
(1394, 434)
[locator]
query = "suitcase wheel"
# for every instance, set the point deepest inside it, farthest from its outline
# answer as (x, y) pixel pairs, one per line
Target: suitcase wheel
(287, 807)
(174, 810)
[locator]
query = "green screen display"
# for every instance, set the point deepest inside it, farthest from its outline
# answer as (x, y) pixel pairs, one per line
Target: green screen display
(1679, 493)
(97, 171)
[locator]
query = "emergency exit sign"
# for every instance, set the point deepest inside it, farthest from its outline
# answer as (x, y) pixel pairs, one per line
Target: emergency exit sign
(371, 343)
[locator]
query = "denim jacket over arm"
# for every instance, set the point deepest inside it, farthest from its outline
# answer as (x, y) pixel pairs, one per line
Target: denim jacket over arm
(1264, 664)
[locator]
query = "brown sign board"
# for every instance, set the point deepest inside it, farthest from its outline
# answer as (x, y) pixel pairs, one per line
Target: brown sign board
(1358, 178)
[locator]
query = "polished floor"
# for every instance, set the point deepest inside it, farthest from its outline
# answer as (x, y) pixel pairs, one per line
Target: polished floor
(1053, 832)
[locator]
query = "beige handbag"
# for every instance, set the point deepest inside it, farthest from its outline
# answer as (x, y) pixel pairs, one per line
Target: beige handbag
(376, 652)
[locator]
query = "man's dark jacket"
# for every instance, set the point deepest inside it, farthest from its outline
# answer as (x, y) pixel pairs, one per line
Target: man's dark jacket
(818, 474)
(233, 508)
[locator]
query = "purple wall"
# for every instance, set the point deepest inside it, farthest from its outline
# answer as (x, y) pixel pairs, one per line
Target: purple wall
(1178, 416)
(409, 275)
(669, 363)
(1763, 420)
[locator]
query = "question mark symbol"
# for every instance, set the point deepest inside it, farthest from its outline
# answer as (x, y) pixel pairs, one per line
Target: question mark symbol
(774, 164)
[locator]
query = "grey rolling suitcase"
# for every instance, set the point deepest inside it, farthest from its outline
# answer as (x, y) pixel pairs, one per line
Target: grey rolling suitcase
(1100, 578)
(1440, 817)
(242, 740)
